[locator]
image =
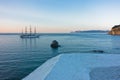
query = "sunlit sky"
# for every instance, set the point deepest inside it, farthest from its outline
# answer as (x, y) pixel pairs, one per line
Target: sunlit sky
(58, 15)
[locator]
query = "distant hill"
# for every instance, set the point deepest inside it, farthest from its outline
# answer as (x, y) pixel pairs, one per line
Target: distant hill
(92, 31)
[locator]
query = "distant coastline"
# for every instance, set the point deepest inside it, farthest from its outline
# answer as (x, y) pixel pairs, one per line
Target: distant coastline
(86, 31)
(91, 31)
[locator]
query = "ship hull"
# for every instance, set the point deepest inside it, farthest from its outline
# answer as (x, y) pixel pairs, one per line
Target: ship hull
(29, 36)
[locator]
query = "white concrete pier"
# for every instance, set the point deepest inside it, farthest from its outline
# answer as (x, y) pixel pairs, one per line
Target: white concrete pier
(77, 66)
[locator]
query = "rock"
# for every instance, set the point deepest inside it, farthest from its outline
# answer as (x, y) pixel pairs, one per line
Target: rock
(98, 51)
(55, 44)
(115, 30)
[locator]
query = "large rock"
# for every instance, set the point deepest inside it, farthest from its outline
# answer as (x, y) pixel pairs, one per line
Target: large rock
(55, 44)
(115, 30)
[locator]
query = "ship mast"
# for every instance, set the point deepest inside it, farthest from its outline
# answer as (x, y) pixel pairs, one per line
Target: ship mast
(22, 30)
(25, 30)
(35, 30)
(30, 30)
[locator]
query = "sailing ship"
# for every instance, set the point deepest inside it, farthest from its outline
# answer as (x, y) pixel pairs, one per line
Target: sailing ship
(29, 34)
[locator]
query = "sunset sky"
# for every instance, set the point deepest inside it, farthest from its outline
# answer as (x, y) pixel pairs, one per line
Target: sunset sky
(58, 15)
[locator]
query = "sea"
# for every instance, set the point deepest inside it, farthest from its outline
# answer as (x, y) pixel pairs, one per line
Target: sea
(19, 57)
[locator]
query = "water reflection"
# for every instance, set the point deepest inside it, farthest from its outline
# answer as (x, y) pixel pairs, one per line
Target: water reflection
(115, 40)
(54, 51)
(30, 43)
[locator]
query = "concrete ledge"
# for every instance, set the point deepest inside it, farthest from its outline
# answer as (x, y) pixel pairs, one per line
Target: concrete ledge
(41, 72)
(76, 66)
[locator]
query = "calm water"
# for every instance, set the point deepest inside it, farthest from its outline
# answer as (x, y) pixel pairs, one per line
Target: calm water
(19, 57)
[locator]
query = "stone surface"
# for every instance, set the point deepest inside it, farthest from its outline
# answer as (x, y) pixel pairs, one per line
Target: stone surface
(115, 30)
(79, 66)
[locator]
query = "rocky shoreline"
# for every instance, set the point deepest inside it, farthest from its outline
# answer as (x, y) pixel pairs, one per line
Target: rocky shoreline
(115, 30)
